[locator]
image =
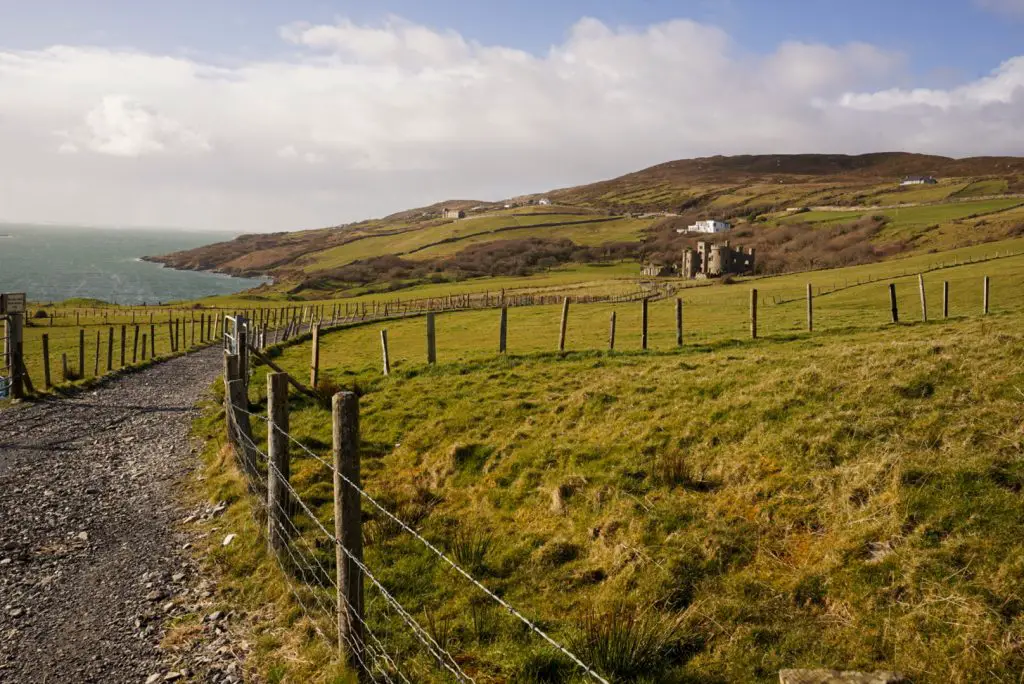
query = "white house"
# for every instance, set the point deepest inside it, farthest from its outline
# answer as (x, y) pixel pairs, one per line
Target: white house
(918, 180)
(708, 226)
(544, 200)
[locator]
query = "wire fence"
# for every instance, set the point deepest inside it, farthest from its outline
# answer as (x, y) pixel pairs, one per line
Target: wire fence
(374, 644)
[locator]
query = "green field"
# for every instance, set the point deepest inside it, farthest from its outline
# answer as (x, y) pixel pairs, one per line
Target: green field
(848, 498)
(411, 241)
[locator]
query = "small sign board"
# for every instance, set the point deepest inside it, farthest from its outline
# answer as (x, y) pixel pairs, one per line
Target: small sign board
(12, 303)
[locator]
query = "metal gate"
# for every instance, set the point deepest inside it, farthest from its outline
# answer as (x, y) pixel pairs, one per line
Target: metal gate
(12, 312)
(7, 361)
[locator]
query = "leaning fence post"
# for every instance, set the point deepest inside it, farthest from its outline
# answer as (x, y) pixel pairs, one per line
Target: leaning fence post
(985, 299)
(123, 330)
(945, 299)
(348, 524)
(135, 345)
(503, 328)
(431, 339)
(279, 463)
(753, 314)
(152, 341)
(892, 303)
(924, 303)
(679, 322)
(810, 308)
(643, 324)
(314, 361)
(110, 349)
(611, 333)
(143, 346)
(384, 351)
(565, 321)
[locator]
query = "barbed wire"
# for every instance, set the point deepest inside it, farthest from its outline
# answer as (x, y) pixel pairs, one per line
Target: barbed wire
(328, 610)
(440, 554)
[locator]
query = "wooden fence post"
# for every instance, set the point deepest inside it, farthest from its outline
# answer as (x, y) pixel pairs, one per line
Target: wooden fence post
(81, 352)
(679, 322)
(753, 314)
(384, 350)
(64, 366)
(431, 339)
(565, 321)
(144, 345)
(110, 349)
(503, 330)
(172, 336)
(135, 345)
(985, 297)
(643, 323)
(152, 341)
(611, 333)
(279, 463)
(123, 331)
(46, 361)
(810, 308)
(348, 525)
(924, 303)
(892, 303)
(96, 365)
(945, 299)
(314, 361)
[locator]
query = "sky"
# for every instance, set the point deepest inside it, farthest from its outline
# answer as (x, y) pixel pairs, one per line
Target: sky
(261, 115)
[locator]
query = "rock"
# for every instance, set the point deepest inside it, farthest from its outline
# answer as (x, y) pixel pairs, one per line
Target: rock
(228, 539)
(173, 676)
(83, 536)
(177, 577)
(155, 595)
(155, 677)
(15, 612)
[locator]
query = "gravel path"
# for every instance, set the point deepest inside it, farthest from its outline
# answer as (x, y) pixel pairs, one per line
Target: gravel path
(92, 558)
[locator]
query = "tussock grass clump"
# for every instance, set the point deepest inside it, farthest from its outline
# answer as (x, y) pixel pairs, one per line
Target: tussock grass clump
(470, 547)
(625, 643)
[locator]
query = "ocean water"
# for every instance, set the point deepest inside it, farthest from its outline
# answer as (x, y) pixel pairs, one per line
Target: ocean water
(53, 263)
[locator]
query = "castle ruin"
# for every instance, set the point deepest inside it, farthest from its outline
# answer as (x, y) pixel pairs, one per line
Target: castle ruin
(714, 261)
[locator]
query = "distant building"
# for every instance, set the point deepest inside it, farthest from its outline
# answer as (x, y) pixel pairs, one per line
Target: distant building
(453, 213)
(713, 261)
(544, 201)
(918, 180)
(708, 226)
(658, 270)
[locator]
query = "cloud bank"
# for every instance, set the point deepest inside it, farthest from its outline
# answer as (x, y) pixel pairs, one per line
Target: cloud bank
(357, 120)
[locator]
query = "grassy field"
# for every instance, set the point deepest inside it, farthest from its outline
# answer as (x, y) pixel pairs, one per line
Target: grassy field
(456, 230)
(907, 217)
(848, 498)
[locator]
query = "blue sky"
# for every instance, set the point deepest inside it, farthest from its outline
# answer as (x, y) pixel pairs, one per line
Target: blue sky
(946, 40)
(270, 115)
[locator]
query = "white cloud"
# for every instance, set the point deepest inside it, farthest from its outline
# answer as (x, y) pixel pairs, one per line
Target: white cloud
(123, 127)
(362, 120)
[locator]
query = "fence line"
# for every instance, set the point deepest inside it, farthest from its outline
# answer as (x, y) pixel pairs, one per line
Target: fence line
(240, 434)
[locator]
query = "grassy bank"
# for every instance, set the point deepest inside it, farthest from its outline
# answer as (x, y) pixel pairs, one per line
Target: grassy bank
(849, 499)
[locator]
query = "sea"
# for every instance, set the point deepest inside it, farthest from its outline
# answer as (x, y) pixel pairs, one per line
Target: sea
(55, 263)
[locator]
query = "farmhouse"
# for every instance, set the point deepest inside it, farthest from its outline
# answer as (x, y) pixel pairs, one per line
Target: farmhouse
(712, 261)
(708, 226)
(918, 180)
(544, 201)
(453, 213)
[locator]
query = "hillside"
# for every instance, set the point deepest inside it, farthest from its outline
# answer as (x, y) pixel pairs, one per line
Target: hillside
(635, 216)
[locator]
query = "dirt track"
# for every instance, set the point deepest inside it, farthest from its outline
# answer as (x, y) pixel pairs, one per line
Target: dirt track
(91, 558)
